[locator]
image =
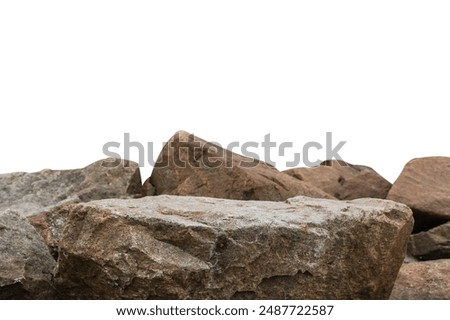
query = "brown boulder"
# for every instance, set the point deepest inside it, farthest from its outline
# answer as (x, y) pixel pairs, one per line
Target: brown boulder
(426, 280)
(343, 180)
(432, 244)
(26, 266)
(31, 193)
(190, 166)
(169, 247)
(424, 186)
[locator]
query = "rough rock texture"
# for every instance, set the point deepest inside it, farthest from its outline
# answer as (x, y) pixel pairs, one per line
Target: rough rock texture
(190, 166)
(26, 266)
(31, 193)
(424, 186)
(432, 244)
(423, 281)
(343, 180)
(168, 247)
(50, 224)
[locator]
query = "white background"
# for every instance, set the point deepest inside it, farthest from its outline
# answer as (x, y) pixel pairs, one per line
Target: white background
(342, 310)
(77, 74)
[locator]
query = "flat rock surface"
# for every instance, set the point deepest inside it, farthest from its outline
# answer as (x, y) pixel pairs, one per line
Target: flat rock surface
(343, 180)
(26, 266)
(31, 193)
(425, 280)
(424, 186)
(169, 247)
(190, 166)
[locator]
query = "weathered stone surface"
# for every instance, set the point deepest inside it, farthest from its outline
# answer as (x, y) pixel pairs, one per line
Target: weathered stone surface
(169, 247)
(26, 266)
(343, 180)
(31, 193)
(424, 186)
(424, 280)
(50, 224)
(432, 244)
(190, 166)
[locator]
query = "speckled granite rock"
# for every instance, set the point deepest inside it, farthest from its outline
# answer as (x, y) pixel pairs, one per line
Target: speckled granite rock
(169, 247)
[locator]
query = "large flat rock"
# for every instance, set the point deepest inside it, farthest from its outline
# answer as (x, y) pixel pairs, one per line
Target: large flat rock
(424, 186)
(26, 266)
(169, 247)
(191, 166)
(31, 193)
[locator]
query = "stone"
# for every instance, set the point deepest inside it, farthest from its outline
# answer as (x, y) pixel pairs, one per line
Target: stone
(190, 166)
(424, 186)
(425, 280)
(50, 224)
(31, 193)
(26, 266)
(343, 180)
(148, 188)
(173, 247)
(432, 244)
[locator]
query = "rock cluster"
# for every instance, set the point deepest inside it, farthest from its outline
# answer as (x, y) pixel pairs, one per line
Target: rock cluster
(212, 224)
(424, 185)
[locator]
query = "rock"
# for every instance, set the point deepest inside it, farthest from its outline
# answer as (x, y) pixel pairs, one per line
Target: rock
(427, 280)
(148, 188)
(26, 266)
(432, 244)
(190, 166)
(31, 193)
(343, 180)
(171, 247)
(424, 186)
(50, 224)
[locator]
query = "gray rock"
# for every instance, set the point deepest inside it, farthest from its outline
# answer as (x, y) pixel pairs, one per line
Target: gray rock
(190, 166)
(343, 180)
(424, 186)
(426, 280)
(32, 193)
(169, 247)
(26, 266)
(432, 244)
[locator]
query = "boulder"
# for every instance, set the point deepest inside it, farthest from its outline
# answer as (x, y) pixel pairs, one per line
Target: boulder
(26, 266)
(426, 280)
(31, 193)
(424, 186)
(432, 244)
(190, 166)
(343, 180)
(172, 247)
